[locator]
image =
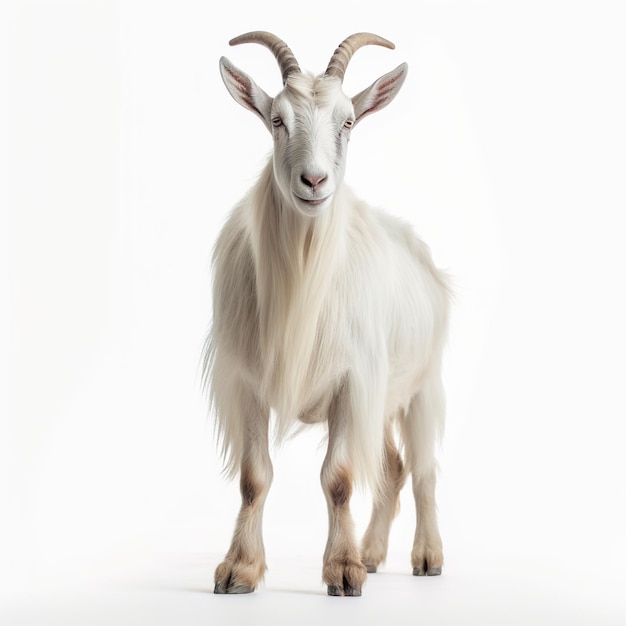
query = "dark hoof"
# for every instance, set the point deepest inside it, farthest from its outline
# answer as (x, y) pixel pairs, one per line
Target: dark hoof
(371, 569)
(333, 590)
(346, 590)
(221, 588)
(352, 591)
(431, 571)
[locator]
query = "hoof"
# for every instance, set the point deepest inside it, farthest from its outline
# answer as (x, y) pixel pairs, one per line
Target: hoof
(347, 591)
(333, 590)
(371, 569)
(220, 588)
(352, 591)
(431, 571)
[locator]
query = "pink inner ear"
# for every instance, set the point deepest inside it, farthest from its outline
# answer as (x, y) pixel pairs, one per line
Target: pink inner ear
(386, 87)
(381, 93)
(238, 78)
(242, 83)
(244, 88)
(383, 90)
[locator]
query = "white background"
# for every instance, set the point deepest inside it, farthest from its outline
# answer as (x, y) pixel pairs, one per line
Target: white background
(506, 148)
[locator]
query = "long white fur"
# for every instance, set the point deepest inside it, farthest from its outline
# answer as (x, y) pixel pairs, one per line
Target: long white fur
(305, 304)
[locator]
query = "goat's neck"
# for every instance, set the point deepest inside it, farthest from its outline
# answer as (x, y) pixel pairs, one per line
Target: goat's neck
(295, 259)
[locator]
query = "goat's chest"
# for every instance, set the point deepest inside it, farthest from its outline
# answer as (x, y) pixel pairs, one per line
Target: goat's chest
(308, 360)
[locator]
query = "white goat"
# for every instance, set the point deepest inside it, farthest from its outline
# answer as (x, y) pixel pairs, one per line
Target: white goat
(324, 310)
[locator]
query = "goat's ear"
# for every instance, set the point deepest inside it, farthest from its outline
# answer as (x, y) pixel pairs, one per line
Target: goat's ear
(245, 91)
(380, 93)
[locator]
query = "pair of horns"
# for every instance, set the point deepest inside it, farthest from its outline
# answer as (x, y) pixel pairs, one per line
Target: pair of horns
(288, 63)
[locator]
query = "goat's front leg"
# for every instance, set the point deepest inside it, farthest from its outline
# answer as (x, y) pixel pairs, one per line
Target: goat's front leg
(343, 571)
(244, 565)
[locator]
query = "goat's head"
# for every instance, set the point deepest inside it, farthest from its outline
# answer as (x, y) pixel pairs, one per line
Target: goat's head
(311, 118)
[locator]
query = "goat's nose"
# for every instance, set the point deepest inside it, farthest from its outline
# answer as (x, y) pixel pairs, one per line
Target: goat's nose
(311, 180)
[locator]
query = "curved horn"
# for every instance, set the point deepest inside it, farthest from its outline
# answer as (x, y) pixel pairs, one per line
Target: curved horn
(284, 56)
(342, 55)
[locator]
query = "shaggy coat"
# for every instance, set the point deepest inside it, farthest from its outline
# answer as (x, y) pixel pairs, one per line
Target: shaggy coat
(325, 310)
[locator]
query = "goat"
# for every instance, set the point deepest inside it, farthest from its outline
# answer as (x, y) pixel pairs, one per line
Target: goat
(324, 310)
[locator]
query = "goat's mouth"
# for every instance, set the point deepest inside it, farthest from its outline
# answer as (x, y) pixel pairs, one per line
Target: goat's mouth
(314, 202)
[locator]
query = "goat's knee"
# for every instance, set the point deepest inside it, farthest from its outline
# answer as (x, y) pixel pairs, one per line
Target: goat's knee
(337, 486)
(254, 484)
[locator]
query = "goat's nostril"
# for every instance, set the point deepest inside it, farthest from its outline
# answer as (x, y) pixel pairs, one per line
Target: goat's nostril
(312, 181)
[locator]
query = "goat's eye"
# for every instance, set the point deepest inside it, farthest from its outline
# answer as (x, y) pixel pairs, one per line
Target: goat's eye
(349, 123)
(276, 122)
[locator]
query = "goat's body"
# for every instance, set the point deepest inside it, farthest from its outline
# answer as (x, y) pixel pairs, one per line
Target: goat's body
(303, 304)
(325, 310)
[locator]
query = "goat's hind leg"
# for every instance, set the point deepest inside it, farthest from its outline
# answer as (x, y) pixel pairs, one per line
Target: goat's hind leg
(244, 564)
(427, 553)
(385, 507)
(420, 427)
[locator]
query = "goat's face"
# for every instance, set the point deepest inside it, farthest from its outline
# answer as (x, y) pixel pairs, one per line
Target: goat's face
(311, 118)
